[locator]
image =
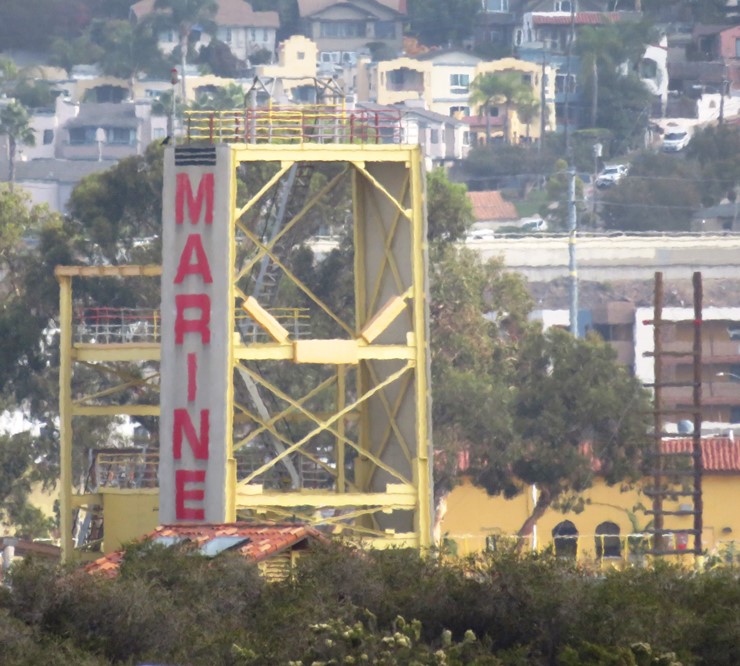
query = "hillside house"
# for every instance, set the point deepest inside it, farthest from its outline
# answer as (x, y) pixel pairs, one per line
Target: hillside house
(343, 29)
(237, 25)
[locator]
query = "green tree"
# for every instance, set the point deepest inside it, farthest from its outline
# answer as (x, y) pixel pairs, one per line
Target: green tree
(501, 88)
(659, 194)
(527, 407)
(128, 50)
(555, 211)
(441, 22)
(111, 210)
(717, 152)
(449, 211)
(183, 16)
(67, 53)
(223, 98)
(605, 48)
(577, 413)
(15, 124)
(624, 109)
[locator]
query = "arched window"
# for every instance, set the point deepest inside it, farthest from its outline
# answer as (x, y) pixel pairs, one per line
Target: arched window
(565, 536)
(608, 543)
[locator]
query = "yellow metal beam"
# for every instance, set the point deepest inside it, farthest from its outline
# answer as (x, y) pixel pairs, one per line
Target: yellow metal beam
(117, 352)
(115, 410)
(383, 318)
(65, 414)
(271, 325)
(108, 271)
(285, 352)
(396, 496)
(319, 152)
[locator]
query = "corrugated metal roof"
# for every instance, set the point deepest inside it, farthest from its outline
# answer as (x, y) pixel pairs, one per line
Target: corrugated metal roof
(262, 540)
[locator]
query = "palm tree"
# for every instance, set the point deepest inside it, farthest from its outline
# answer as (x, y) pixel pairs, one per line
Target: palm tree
(528, 110)
(183, 16)
(507, 89)
(14, 123)
(223, 98)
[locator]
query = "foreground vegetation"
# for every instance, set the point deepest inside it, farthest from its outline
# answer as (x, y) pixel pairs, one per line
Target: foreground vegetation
(176, 607)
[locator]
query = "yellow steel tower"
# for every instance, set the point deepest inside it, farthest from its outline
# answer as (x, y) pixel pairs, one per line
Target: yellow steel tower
(276, 402)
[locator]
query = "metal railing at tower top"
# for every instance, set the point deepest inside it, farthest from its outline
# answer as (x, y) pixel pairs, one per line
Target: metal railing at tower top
(321, 123)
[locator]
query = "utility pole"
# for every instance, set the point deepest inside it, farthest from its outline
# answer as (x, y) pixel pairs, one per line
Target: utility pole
(572, 267)
(174, 78)
(568, 53)
(543, 102)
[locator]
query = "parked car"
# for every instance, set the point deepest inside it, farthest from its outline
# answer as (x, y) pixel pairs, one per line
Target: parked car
(675, 141)
(611, 175)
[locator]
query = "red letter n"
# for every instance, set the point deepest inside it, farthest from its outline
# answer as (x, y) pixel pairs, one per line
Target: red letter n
(184, 425)
(184, 191)
(183, 477)
(200, 325)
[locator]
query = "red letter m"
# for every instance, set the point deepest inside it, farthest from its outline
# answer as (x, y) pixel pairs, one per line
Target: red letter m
(184, 193)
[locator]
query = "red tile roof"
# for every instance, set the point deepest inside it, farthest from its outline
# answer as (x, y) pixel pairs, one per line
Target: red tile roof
(719, 454)
(265, 540)
(581, 18)
(490, 205)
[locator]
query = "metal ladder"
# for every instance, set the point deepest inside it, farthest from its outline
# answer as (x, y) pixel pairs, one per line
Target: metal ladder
(676, 473)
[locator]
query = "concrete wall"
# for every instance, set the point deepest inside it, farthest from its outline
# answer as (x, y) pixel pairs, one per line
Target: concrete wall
(602, 258)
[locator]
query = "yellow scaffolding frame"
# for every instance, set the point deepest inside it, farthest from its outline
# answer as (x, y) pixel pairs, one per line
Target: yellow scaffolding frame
(388, 501)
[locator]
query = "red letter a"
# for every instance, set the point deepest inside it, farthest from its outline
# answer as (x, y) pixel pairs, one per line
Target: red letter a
(193, 246)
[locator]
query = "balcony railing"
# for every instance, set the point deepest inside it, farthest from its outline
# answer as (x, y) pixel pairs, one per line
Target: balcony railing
(297, 125)
(144, 325)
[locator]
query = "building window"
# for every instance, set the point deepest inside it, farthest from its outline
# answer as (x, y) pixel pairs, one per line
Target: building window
(121, 136)
(608, 543)
(495, 5)
(434, 136)
(48, 137)
(460, 83)
(527, 79)
(466, 138)
(564, 6)
(80, 136)
(460, 110)
(560, 83)
(225, 35)
(301, 55)
(737, 48)
(343, 29)
(493, 111)
(735, 414)
(565, 536)
(385, 30)
(264, 35)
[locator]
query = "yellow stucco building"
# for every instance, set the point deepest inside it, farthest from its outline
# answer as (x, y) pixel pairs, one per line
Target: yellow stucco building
(614, 521)
(442, 80)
